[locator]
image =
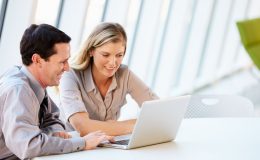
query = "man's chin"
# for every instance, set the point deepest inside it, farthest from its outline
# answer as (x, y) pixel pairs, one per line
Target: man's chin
(57, 83)
(54, 84)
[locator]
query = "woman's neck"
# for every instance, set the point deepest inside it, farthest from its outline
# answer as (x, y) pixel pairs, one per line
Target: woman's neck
(101, 81)
(98, 78)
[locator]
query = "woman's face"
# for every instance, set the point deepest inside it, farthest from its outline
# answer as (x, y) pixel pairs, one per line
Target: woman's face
(108, 58)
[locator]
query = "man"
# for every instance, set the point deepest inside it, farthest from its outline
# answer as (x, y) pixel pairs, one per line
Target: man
(29, 124)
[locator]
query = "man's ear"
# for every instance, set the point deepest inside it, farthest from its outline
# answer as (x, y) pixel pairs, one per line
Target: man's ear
(36, 59)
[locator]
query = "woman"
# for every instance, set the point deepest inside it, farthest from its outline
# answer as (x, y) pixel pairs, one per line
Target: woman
(95, 88)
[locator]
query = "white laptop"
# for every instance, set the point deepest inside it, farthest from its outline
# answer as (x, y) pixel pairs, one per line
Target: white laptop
(158, 122)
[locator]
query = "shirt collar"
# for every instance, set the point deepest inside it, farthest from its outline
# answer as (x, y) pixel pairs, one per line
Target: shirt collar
(113, 85)
(36, 87)
(90, 85)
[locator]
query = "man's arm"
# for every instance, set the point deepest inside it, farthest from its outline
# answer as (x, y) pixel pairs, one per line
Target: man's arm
(23, 137)
(84, 125)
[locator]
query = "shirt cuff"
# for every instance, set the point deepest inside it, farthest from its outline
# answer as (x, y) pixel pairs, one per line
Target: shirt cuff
(56, 128)
(52, 129)
(78, 144)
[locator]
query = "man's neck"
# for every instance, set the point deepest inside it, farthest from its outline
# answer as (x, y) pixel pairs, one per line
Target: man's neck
(36, 75)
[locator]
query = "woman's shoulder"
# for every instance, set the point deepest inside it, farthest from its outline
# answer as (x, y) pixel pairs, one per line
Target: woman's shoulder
(124, 72)
(123, 69)
(73, 74)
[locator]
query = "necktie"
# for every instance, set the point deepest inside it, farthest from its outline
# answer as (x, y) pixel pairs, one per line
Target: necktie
(43, 110)
(48, 118)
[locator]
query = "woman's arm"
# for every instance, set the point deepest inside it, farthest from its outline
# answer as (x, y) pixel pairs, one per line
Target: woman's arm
(138, 90)
(84, 125)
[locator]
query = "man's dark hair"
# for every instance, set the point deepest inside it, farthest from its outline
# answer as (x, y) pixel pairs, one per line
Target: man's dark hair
(40, 39)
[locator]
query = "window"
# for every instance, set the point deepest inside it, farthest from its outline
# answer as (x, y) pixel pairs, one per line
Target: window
(47, 11)
(3, 5)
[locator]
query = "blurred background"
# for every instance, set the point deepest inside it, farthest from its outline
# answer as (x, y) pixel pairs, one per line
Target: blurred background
(176, 47)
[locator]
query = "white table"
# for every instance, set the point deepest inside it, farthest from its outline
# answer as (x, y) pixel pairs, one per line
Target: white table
(198, 139)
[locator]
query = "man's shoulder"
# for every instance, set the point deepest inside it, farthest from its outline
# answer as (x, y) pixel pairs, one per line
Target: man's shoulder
(13, 78)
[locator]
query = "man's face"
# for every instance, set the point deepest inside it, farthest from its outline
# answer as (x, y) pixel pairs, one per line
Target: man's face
(51, 70)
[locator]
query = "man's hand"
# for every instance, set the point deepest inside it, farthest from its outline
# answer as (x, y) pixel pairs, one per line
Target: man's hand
(62, 134)
(95, 138)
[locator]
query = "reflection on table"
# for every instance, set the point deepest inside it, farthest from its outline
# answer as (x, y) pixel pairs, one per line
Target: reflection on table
(202, 138)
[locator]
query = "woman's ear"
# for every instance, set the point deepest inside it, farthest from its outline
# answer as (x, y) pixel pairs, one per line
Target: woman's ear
(91, 53)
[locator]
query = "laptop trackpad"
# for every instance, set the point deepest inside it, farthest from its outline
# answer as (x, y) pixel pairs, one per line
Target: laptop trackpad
(121, 142)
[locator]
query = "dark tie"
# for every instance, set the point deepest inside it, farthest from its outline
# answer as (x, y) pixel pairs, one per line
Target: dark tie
(48, 118)
(43, 109)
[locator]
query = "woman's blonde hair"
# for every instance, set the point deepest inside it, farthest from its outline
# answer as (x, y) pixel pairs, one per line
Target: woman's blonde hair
(103, 33)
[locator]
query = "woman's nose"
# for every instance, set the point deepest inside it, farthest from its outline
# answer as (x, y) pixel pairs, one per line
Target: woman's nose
(112, 61)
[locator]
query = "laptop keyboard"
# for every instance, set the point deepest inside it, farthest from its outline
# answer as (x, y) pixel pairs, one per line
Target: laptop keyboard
(122, 142)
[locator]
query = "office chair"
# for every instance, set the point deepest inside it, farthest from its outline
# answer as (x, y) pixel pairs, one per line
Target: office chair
(206, 106)
(250, 36)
